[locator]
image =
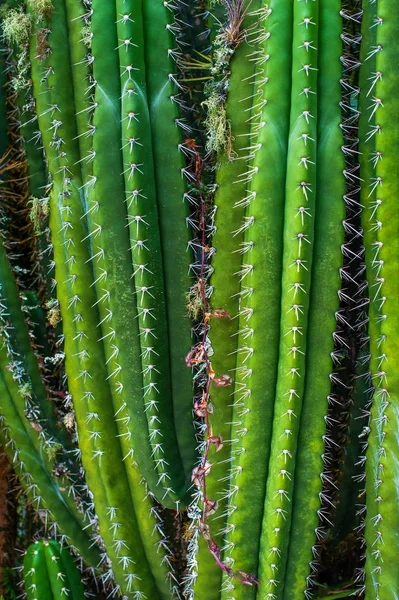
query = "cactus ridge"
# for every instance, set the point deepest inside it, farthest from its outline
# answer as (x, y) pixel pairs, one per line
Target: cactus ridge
(163, 29)
(170, 486)
(369, 220)
(296, 279)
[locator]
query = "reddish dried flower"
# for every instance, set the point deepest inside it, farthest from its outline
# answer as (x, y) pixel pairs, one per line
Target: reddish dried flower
(200, 408)
(217, 441)
(205, 531)
(222, 381)
(198, 474)
(210, 507)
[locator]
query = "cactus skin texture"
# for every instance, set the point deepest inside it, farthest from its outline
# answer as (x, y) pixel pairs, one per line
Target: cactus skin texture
(382, 250)
(50, 573)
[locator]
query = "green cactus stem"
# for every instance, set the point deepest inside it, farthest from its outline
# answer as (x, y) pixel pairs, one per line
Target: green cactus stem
(50, 573)
(260, 275)
(300, 206)
(108, 475)
(163, 50)
(24, 408)
(382, 242)
(225, 285)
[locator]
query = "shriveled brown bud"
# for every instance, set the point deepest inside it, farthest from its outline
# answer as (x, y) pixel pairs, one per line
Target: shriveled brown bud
(205, 531)
(200, 407)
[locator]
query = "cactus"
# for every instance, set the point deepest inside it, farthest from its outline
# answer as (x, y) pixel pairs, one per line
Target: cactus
(50, 572)
(247, 205)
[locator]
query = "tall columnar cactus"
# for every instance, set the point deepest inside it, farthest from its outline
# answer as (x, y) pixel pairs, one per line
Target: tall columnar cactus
(380, 189)
(279, 230)
(50, 573)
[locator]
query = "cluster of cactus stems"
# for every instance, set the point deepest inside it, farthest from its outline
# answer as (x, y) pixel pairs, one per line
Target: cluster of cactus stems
(254, 178)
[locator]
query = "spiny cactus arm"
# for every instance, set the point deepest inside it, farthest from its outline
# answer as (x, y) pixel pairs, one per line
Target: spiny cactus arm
(17, 405)
(169, 128)
(382, 582)
(370, 225)
(260, 305)
(103, 461)
(78, 42)
(69, 569)
(147, 264)
(296, 280)
(140, 198)
(324, 302)
(229, 234)
(63, 581)
(22, 341)
(147, 257)
(31, 141)
(98, 437)
(122, 330)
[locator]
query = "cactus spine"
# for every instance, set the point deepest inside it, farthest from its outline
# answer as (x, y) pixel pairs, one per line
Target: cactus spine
(50, 573)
